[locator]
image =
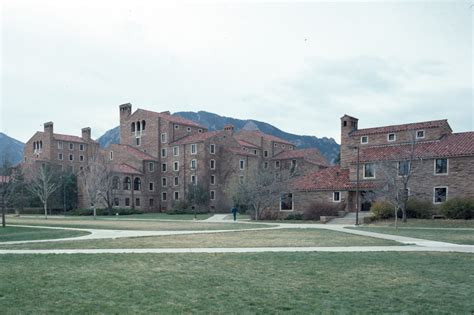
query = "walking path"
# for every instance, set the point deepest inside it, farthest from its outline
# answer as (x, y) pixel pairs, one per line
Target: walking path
(411, 244)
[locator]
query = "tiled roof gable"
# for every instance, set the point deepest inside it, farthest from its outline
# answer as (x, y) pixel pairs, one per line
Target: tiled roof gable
(404, 127)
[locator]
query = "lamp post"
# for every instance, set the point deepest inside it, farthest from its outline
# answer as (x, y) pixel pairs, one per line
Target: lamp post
(357, 183)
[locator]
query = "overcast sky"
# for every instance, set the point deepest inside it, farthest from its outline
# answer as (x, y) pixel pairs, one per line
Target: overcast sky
(299, 66)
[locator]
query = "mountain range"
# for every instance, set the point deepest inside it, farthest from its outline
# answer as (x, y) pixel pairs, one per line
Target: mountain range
(327, 146)
(11, 150)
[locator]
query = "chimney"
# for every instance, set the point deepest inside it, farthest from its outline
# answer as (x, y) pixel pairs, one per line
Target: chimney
(49, 128)
(86, 133)
(229, 129)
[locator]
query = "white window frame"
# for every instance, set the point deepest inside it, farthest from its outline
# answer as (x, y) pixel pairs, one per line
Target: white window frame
(69, 157)
(212, 195)
(242, 165)
(200, 130)
(164, 152)
(194, 179)
(176, 127)
(434, 194)
(394, 137)
(164, 167)
(164, 182)
(81, 158)
(176, 166)
(111, 155)
(363, 171)
(212, 164)
(60, 145)
(398, 168)
(194, 149)
(151, 167)
(212, 149)
(447, 167)
(176, 151)
(176, 181)
(292, 202)
(362, 139)
(188, 129)
(212, 180)
(164, 137)
(193, 164)
(60, 156)
(176, 195)
(81, 147)
(334, 196)
(71, 146)
(153, 186)
(164, 196)
(422, 137)
(265, 153)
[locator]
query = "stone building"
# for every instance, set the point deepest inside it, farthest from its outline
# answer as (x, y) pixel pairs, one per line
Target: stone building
(439, 162)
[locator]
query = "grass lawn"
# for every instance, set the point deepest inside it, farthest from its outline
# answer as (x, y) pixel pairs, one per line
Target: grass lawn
(427, 223)
(463, 237)
(159, 216)
(270, 238)
(14, 233)
(412, 283)
(120, 224)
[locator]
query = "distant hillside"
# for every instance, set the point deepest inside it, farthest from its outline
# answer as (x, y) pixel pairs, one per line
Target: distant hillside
(10, 150)
(328, 147)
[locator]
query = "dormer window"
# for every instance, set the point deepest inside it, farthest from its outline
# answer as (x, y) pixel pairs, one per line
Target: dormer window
(420, 134)
(200, 130)
(188, 129)
(176, 126)
(364, 139)
(391, 137)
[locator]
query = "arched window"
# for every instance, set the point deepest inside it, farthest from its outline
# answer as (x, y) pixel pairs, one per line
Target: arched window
(41, 144)
(115, 182)
(127, 183)
(137, 184)
(133, 127)
(143, 125)
(138, 126)
(34, 146)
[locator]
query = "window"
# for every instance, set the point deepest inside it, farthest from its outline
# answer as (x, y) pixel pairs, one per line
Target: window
(176, 126)
(137, 202)
(71, 146)
(164, 182)
(127, 202)
(188, 129)
(176, 166)
(241, 179)
(213, 179)
(176, 195)
(81, 147)
(116, 202)
(111, 155)
(290, 147)
(164, 152)
(391, 137)
(200, 130)
(441, 166)
(163, 196)
(132, 127)
(60, 156)
(137, 141)
(265, 165)
(282, 146)
(151, 166)
(81, 158)
(71, 157)
(286, 202)
(137, 184)
(60, 145)
(115, 183)
(265, 153)
(193, 179)
(242, 164)
(364, 139)
(176, 151)
(193, 148)
(276, 145)
(277, 164)
(420, 134)
(403, 168)
(193, 164)
(151, 186)
(127, 183)
(369, 170)
(255, 152)
(336, 196)
(176, 181)
(293, 164)
(440, 194)
(212, 195)
(212, 164)
(151, 202)
(163, 167)
(212, 149)
(164, 138)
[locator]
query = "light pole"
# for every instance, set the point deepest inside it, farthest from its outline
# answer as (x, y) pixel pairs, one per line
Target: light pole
(357, 183)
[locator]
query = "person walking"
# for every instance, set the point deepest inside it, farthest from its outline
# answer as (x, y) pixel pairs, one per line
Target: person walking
(234, 212)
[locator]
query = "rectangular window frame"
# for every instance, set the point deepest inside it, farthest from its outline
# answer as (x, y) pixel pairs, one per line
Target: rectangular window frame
(398, 168)
(241, 165)
(422, 136)
(212, 164)
(212, 195)
(164, 152)
(193, 149)
(213, 179)
(151, 186)
(447, 167)
(164, 137)
(176, 166)
(193, 164)
(362, 138)
(164, 182)
(292, 202)
(394, 137)
(364, 171)
(334, 194)
(212, 149)
(434, 194)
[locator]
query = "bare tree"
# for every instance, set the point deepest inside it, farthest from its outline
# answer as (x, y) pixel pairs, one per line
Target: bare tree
(96, 180)
(43, 186)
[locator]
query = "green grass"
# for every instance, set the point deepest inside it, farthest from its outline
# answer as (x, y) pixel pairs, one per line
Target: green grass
(15, 233)
(427, 223)
(151, 225)
(463, 237)
(303, 283)
(159, 216)
(270, 238)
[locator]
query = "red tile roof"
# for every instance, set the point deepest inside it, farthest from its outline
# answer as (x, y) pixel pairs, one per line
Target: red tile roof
(405, 127)
(4, 179)
(133, 151)
(311, 155)
(125, 169)
(247, 144)
(331, 178)
(453, 145)
(243, 133)
(196, 138)
(171, 118)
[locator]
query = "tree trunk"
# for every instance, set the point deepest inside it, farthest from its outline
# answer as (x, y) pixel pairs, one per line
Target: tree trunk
(45, 205)
(396, 217)
(95, 212)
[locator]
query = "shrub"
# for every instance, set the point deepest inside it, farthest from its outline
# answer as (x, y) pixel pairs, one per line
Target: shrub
(266, 215)
(101, 212)
(318, 209)
(183, 207)
(382, 210)
(419, 209)
(294, 216)
(458, 208)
